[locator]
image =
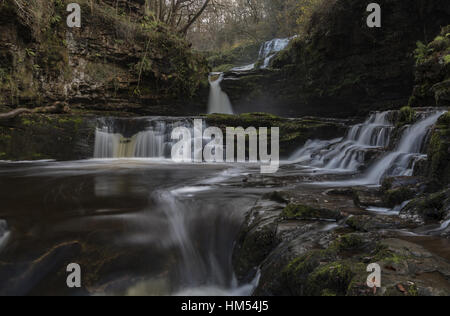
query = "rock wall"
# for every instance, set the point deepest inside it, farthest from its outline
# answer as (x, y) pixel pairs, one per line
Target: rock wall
(119, 60)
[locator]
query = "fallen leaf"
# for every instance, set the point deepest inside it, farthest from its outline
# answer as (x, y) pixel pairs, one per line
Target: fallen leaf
(401, 288)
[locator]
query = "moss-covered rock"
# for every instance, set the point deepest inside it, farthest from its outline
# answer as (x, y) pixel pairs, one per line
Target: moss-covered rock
(406, 116)
(306, 212)
(253, 247)
(293, 132)
(59, 137)
(242, 54)
(439, 152)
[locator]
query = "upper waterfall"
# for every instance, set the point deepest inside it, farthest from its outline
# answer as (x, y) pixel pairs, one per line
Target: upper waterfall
(267, 51)
(349, 153)
(151, 142)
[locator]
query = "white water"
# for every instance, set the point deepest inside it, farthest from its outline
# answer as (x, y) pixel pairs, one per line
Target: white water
(208, 271)
(4, 234)
(218, 100)
(349, 154)
(271, 48)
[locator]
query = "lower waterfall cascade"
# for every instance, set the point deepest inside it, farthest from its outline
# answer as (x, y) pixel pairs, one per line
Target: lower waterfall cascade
(348, 154)
(4, 234)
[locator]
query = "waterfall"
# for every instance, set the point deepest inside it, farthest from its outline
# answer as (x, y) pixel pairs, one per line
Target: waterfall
(267, 51)
(154, 142)
(400, 162)
(348, 154)
(218, 100)
(271, 48)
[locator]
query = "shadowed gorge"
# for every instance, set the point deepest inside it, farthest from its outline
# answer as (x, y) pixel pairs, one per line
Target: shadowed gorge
(314, 139)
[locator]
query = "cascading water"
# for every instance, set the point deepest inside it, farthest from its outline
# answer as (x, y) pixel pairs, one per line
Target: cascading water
(218, 100)
(267, 51)
(400, 162)
(271, 48)
(348, 154)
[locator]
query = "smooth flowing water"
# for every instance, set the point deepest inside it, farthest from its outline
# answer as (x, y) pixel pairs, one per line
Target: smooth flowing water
(349, 154)
(267, 52)
(143, 225)
(4, 234)
(218, 100)
(147, 227)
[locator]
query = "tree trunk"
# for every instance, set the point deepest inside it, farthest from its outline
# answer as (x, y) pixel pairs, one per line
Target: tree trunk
(199, 13)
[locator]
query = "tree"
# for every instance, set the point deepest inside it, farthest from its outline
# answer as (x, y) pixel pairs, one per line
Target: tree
(178, 14)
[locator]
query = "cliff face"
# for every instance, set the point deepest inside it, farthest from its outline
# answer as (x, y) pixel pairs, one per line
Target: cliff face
(342, 67)
(119, 60)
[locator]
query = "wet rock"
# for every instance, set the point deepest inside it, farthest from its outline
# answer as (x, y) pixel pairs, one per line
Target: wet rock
(293, 132)
(439, 152)
(3, 227)
(339, 268)
(428, 208)
(34, 272)
(364, 197)
(305, 212)
(404, 262)
(371, 223)
(257, 239)
(276, 197)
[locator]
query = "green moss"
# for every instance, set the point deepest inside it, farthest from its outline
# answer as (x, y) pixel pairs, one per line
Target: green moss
(276, 197)
(348, 242)
(385, 256)
(406, 116)
(447, 59)
(438, 154)
(330, 278)
(394, 197)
